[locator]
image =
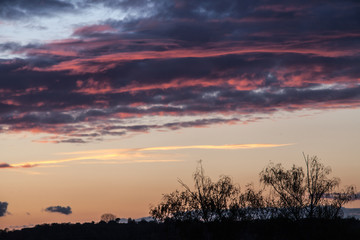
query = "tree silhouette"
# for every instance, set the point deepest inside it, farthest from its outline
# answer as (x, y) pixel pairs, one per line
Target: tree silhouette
(107, 217)
(294, 194)
(209, 201)
(288, 186)
(310, 194)
(252, 204)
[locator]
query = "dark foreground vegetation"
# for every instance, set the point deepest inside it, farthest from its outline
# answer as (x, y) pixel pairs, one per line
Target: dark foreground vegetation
(256, 229)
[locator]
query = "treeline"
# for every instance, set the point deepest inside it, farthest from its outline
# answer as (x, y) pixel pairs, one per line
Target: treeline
(281, 229)
(293, 194)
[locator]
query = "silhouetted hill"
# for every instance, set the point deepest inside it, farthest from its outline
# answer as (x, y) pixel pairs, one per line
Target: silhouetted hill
(264, 229)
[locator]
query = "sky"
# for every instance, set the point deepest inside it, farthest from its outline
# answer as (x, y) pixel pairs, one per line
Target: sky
(105, 104)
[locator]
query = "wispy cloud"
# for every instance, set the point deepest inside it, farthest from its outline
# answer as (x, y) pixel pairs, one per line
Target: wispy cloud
(24, 165)
(132, 155)
(169, 148)
(99, 157)
(218, 147)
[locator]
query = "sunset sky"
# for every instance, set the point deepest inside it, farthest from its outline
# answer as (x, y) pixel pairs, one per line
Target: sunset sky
(105, 104)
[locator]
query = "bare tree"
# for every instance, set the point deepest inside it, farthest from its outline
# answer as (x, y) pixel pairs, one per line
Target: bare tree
(176, 205)
(209, 201)
(318, 184)
(295, 194)
(304, 194)
(289, 186)
(107, 217)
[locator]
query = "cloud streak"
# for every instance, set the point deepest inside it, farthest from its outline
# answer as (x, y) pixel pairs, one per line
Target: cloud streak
(134, 155)
(215, 147)
(25, 165)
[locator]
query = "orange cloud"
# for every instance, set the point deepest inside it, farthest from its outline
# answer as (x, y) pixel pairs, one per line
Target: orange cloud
(169, 148)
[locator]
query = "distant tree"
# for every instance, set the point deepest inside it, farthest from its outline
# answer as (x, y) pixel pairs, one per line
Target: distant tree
(209, 201)
(107, 217)
(307, 194)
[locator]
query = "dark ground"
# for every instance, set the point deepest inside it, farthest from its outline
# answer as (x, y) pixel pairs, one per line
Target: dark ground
(264, 229)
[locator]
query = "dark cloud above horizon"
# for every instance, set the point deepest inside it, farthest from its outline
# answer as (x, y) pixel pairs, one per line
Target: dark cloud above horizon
(59, 209)
(3, 208)
(180, 64)
(18, 9)
(6, 165)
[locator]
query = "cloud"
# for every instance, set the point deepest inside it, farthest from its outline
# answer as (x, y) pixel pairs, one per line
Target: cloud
(216, 147)
(18, 9)
(3, 208)
(25, 165)
(135, 155)
(5, 165)
(59, 209)
(178, 63)
(93, 30)
(72, 140)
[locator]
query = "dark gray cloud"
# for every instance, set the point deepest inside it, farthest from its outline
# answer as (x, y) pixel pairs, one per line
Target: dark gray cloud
(5, 165)
(9, 46)
(181, 59)
(17, 9)
(3, 208)
(82, 134)
(266, 86)
(59, 209)
(72, 140)
(171, 125)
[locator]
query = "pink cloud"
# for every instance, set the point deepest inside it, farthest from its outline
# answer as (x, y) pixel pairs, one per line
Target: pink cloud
(93, 29)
